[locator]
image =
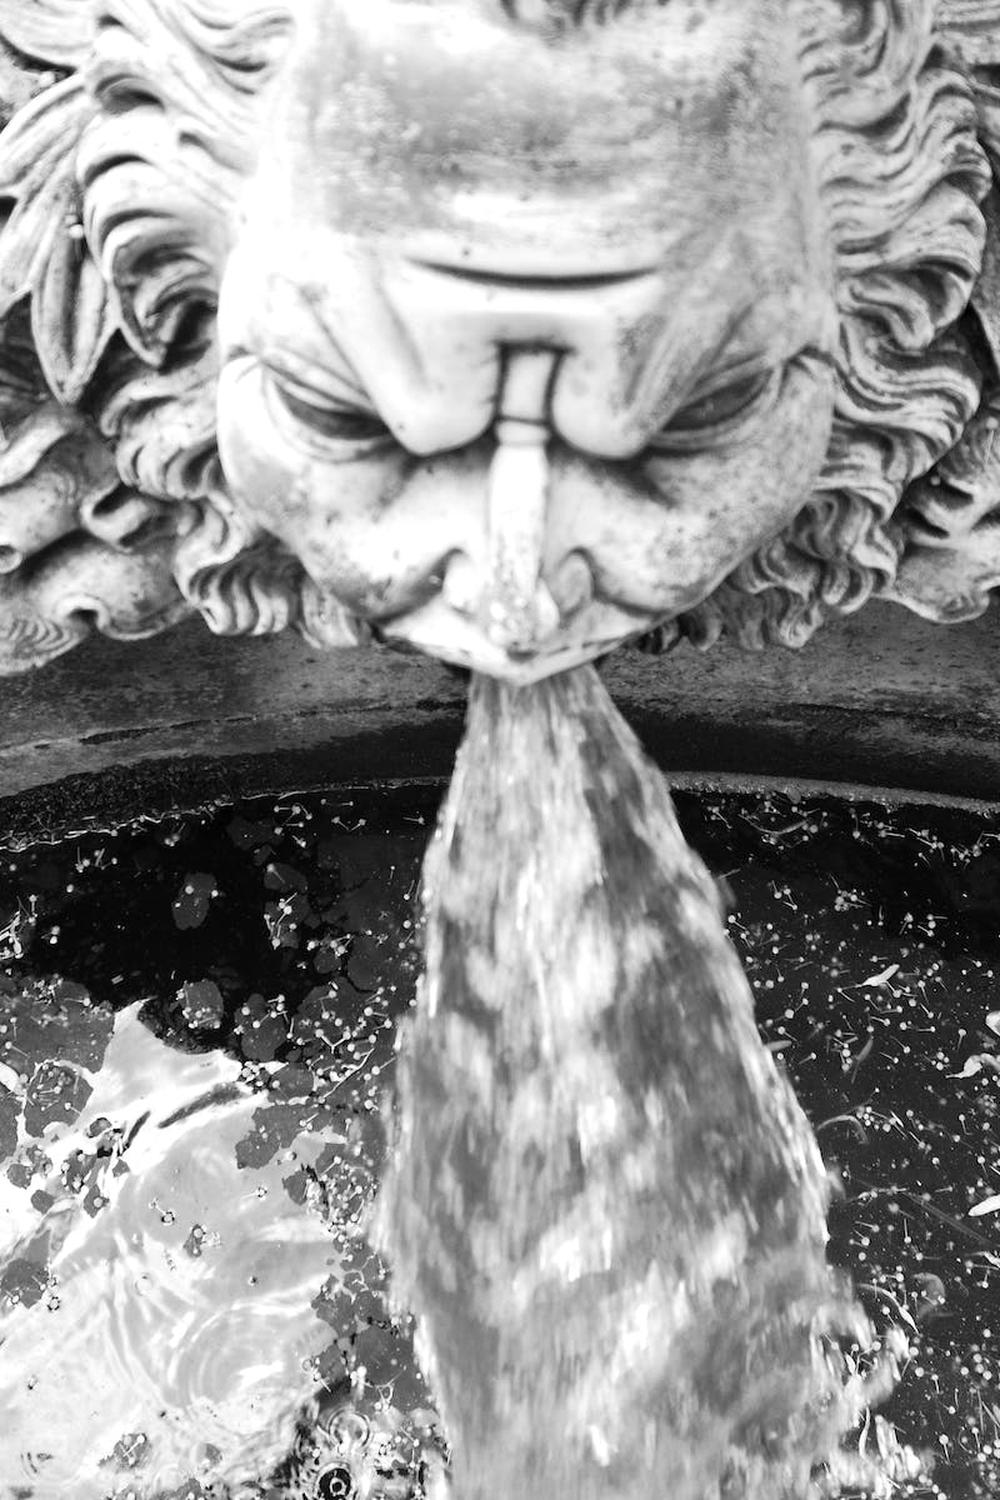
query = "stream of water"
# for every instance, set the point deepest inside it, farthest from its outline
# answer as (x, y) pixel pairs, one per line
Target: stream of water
(604, 1203)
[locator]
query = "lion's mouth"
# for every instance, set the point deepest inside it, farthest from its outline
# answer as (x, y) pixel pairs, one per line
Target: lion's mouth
(437, 629)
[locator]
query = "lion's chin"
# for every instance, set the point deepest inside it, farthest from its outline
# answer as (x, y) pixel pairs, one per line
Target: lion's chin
(437, 629)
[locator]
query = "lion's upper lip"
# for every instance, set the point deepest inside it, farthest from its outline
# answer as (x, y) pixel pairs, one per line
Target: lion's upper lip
(450, 636)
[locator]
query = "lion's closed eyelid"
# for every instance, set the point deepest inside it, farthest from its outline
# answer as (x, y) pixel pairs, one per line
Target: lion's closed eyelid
(723, 404)
(723, 375)
(321, 386)
(324, 418)
(305, 391)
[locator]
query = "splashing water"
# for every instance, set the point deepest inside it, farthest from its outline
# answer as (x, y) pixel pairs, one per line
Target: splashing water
(173, 1337)
(347, 1454)
(604, 1205)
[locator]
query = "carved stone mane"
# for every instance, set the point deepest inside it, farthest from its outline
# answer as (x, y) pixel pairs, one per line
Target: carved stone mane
(124, 177)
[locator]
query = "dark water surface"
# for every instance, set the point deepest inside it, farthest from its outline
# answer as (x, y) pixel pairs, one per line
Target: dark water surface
(198, 1018)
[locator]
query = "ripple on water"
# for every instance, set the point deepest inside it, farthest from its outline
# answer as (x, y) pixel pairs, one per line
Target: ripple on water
(174, 1336)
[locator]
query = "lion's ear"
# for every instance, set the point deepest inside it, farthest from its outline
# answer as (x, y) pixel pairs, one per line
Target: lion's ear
(58, 32)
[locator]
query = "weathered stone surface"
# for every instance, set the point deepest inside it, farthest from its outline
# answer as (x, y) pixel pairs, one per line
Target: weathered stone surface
(884, 699)
(495, 371)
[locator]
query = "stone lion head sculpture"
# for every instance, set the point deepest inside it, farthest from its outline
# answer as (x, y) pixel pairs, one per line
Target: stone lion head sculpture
(505, 329)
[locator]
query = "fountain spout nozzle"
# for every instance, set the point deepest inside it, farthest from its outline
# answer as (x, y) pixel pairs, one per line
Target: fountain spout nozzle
(519, 610)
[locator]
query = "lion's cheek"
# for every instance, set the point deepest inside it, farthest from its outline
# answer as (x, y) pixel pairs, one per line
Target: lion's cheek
(286, 486)
(254, 461)
(663, 532)
(373, 525)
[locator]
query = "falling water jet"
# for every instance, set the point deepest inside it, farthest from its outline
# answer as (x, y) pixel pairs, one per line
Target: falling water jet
(604, 1204)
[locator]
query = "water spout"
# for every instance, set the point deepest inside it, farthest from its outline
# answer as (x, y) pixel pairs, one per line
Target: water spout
(605, 1205)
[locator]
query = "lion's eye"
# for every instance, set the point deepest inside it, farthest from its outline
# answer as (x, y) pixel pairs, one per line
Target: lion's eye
(722, 406)
(719, 412)
(329, 419)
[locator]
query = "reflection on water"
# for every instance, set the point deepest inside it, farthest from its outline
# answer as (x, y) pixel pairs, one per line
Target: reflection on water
(275, 947)
(158, 1305)
(344, 1455)
(187, 1306)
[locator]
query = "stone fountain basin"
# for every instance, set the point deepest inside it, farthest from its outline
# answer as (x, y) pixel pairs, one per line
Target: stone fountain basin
(880, 700)
(224, 941)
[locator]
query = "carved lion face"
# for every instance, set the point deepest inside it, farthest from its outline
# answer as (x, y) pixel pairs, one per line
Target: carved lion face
(528, 339)
(540, 324)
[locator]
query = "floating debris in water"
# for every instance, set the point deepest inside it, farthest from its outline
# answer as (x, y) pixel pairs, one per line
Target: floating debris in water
(156, 1313)
(825, 894)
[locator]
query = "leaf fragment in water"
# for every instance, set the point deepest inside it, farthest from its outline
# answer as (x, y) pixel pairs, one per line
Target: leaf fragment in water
(876, 981)
(977, 1063)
